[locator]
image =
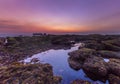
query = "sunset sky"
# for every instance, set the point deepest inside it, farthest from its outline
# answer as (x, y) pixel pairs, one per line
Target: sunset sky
(59, 16)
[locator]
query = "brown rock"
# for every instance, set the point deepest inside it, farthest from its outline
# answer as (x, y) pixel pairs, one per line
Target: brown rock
(114, 66)
(113, 79)
(27, 74)
(78, 57)
(95, 68)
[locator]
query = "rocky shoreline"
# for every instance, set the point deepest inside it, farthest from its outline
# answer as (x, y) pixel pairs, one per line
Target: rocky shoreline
(90, 58)
(18, 73)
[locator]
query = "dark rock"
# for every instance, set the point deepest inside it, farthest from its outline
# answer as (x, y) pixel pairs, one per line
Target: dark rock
(76, 65)
(95, 45)
(35, 60)
(114, 66)
(62, 40)
(113, 79)
(82, 54)
(115, 42)
(57, 79)
(110, 46)
(109, 54)
(95, 68)
(78, 57)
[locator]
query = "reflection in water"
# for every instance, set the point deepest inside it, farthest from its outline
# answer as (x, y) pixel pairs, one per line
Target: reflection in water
(58, 59)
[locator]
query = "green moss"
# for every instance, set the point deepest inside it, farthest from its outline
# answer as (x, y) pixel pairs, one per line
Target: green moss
(28, 74)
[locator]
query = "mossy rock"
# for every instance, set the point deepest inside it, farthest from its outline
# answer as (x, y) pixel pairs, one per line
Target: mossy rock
(95, 68)
(95, 45)
(110, 46)
(109, 54)
(77, 58)
(18, 73)
(114, 66)
(82, 54)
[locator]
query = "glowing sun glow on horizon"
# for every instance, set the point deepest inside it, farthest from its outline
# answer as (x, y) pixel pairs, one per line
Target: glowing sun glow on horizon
(87, 16)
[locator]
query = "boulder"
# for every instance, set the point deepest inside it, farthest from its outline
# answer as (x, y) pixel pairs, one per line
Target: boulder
(78, 57)
(75, 64)
(95, 68)
(82, 54)
(114, 66)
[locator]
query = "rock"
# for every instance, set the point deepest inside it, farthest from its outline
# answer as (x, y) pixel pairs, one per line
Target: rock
(62, 41)
(82, 54)
(78, 57)
(82, 45)
(35, 60)
(2, 43)
(80, 82)
(109, 54)
(115, 42)
(74, 64)
(95, 45)
(18, 73)
(57, 79)
(114, 66)
(95, 68)
(113, 79)
(111, 47)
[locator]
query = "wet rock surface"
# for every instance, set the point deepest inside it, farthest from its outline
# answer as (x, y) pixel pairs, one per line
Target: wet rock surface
(78, 57)
(95, 68)
(109, 54)
(91, 60)
(18, 73)
(114, 66)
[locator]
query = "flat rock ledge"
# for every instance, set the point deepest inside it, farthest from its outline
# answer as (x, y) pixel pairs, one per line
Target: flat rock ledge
(18, 73)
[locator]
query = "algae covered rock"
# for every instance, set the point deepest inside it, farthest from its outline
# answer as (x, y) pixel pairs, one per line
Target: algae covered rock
(109, 54)
(112, 46)
(114, 66)
(95, 68)
(82, 54)
(78, 57)
(28, 74)
(95, 45)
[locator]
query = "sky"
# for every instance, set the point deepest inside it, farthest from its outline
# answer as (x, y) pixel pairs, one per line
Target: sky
(59, 16)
